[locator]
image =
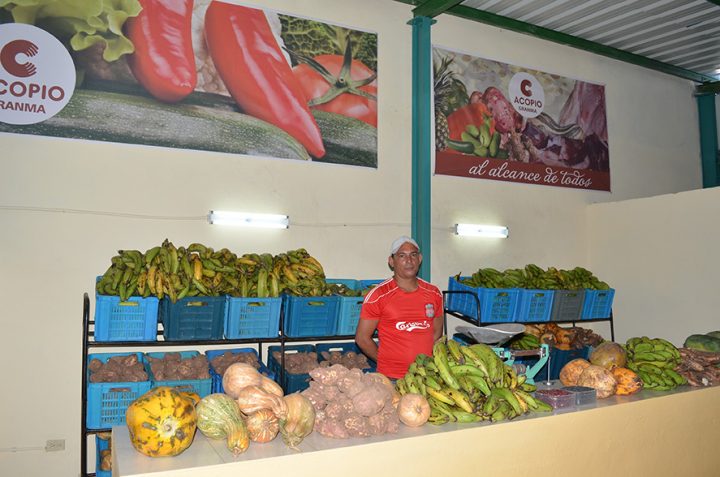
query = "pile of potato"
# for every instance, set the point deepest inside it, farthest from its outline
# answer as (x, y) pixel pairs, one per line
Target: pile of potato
(171, 367)
(117, 369)
(349, 403)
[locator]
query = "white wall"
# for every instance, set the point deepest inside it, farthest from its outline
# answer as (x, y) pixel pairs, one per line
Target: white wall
(49, 259)
(661, 254)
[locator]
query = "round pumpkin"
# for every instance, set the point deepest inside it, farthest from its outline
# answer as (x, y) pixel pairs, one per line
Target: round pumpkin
(570, 373)
(628, 381)
(609, 355)
(600, 379)
(162, 422)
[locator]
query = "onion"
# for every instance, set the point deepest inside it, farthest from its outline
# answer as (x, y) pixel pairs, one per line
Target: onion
(262, 426)
(413, 410)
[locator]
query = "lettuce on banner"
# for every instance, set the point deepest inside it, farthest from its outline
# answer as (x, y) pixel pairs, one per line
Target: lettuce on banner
(80, 23)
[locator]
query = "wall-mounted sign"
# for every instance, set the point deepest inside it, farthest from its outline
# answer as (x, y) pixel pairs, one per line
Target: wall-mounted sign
(37, 74)
(503, 122)
(206, 75)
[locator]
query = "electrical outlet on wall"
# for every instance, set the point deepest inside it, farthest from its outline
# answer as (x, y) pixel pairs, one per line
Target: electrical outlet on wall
(54, 445)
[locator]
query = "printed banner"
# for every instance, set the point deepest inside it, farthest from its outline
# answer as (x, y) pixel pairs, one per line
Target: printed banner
(205, 75)
(503, 122)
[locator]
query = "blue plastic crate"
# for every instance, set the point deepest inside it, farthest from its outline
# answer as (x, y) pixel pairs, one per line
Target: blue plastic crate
(252, 318)
(343, 348)
(598, 304)
(567, 305)
(534, 305)
(216, 377)
(132, 320)
(193, 318)
(310, 316)
(349, 307)
(348, 314)
(497, 305)
(107, 402)
(101, 445)
(202, 387)
(291, 382)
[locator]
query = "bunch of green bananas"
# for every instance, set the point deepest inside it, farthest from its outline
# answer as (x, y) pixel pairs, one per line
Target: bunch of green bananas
(525, 341)
(654, 360)
(199, 270)
(264, 275)
(169, 271)
(532, 277)
(469, 384)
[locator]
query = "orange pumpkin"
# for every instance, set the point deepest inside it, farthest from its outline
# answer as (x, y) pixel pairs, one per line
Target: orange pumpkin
(628, 382)
(570, 373)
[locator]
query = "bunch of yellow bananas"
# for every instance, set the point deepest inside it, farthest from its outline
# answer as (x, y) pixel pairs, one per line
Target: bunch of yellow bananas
(199, 270)
(469, 384)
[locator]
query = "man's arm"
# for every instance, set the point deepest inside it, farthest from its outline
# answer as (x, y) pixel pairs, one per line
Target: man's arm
(363, 338)
(438, 323)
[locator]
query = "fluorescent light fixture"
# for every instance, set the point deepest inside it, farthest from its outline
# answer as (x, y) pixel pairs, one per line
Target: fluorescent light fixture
(479, 230)
(243, 219)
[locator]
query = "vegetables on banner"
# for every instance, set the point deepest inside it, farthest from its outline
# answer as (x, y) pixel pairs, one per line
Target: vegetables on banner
(201, 71)
(503, 122)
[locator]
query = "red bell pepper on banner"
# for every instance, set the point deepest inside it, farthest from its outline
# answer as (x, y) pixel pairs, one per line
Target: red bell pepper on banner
(254, 70)
(163, 62)
(475, 114)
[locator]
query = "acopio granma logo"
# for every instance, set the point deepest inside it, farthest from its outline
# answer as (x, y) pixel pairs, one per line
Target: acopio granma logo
(526, 95)
(37, 74)
(9, 58)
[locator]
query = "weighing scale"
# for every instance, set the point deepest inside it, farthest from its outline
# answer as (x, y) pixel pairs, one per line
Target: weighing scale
(498, 335)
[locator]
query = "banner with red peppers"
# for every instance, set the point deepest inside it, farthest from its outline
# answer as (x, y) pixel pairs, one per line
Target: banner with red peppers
(194, 74)
(498, 121)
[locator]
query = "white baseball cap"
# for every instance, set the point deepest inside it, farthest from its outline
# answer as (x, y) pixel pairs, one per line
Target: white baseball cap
(398, 242)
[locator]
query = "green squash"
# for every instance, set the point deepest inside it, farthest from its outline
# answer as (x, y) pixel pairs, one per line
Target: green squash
(219, 417)
(703, 343)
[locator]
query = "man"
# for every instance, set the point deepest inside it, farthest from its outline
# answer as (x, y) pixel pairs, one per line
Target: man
(406, 310)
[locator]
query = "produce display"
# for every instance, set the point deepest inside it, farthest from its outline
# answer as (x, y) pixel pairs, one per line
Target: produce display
(654, 360)
(172, 367)
(535, 278)
(349, 403)
(117, 369)
(468, 384)
(605, 372)
(198, 270)
(556, 336)
(700, 368)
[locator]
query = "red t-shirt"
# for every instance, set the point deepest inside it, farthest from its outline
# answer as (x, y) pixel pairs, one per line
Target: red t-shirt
(405, 323)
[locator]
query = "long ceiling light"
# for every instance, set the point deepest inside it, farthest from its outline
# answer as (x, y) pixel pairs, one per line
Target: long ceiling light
(479, 230)
(245, 219)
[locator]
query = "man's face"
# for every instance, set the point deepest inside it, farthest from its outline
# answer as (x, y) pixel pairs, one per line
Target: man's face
(406, 261)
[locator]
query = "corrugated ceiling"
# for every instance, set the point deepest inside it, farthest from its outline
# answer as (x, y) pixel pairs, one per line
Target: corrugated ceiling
(680, 37)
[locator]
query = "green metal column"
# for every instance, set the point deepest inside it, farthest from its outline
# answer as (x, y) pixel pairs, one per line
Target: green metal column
(708, 140)
(421, 130)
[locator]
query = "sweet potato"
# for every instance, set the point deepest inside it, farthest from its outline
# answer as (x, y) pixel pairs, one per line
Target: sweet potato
(371, 400)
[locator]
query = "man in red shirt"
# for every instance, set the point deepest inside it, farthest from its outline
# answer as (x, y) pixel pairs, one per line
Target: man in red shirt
(405, 310)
